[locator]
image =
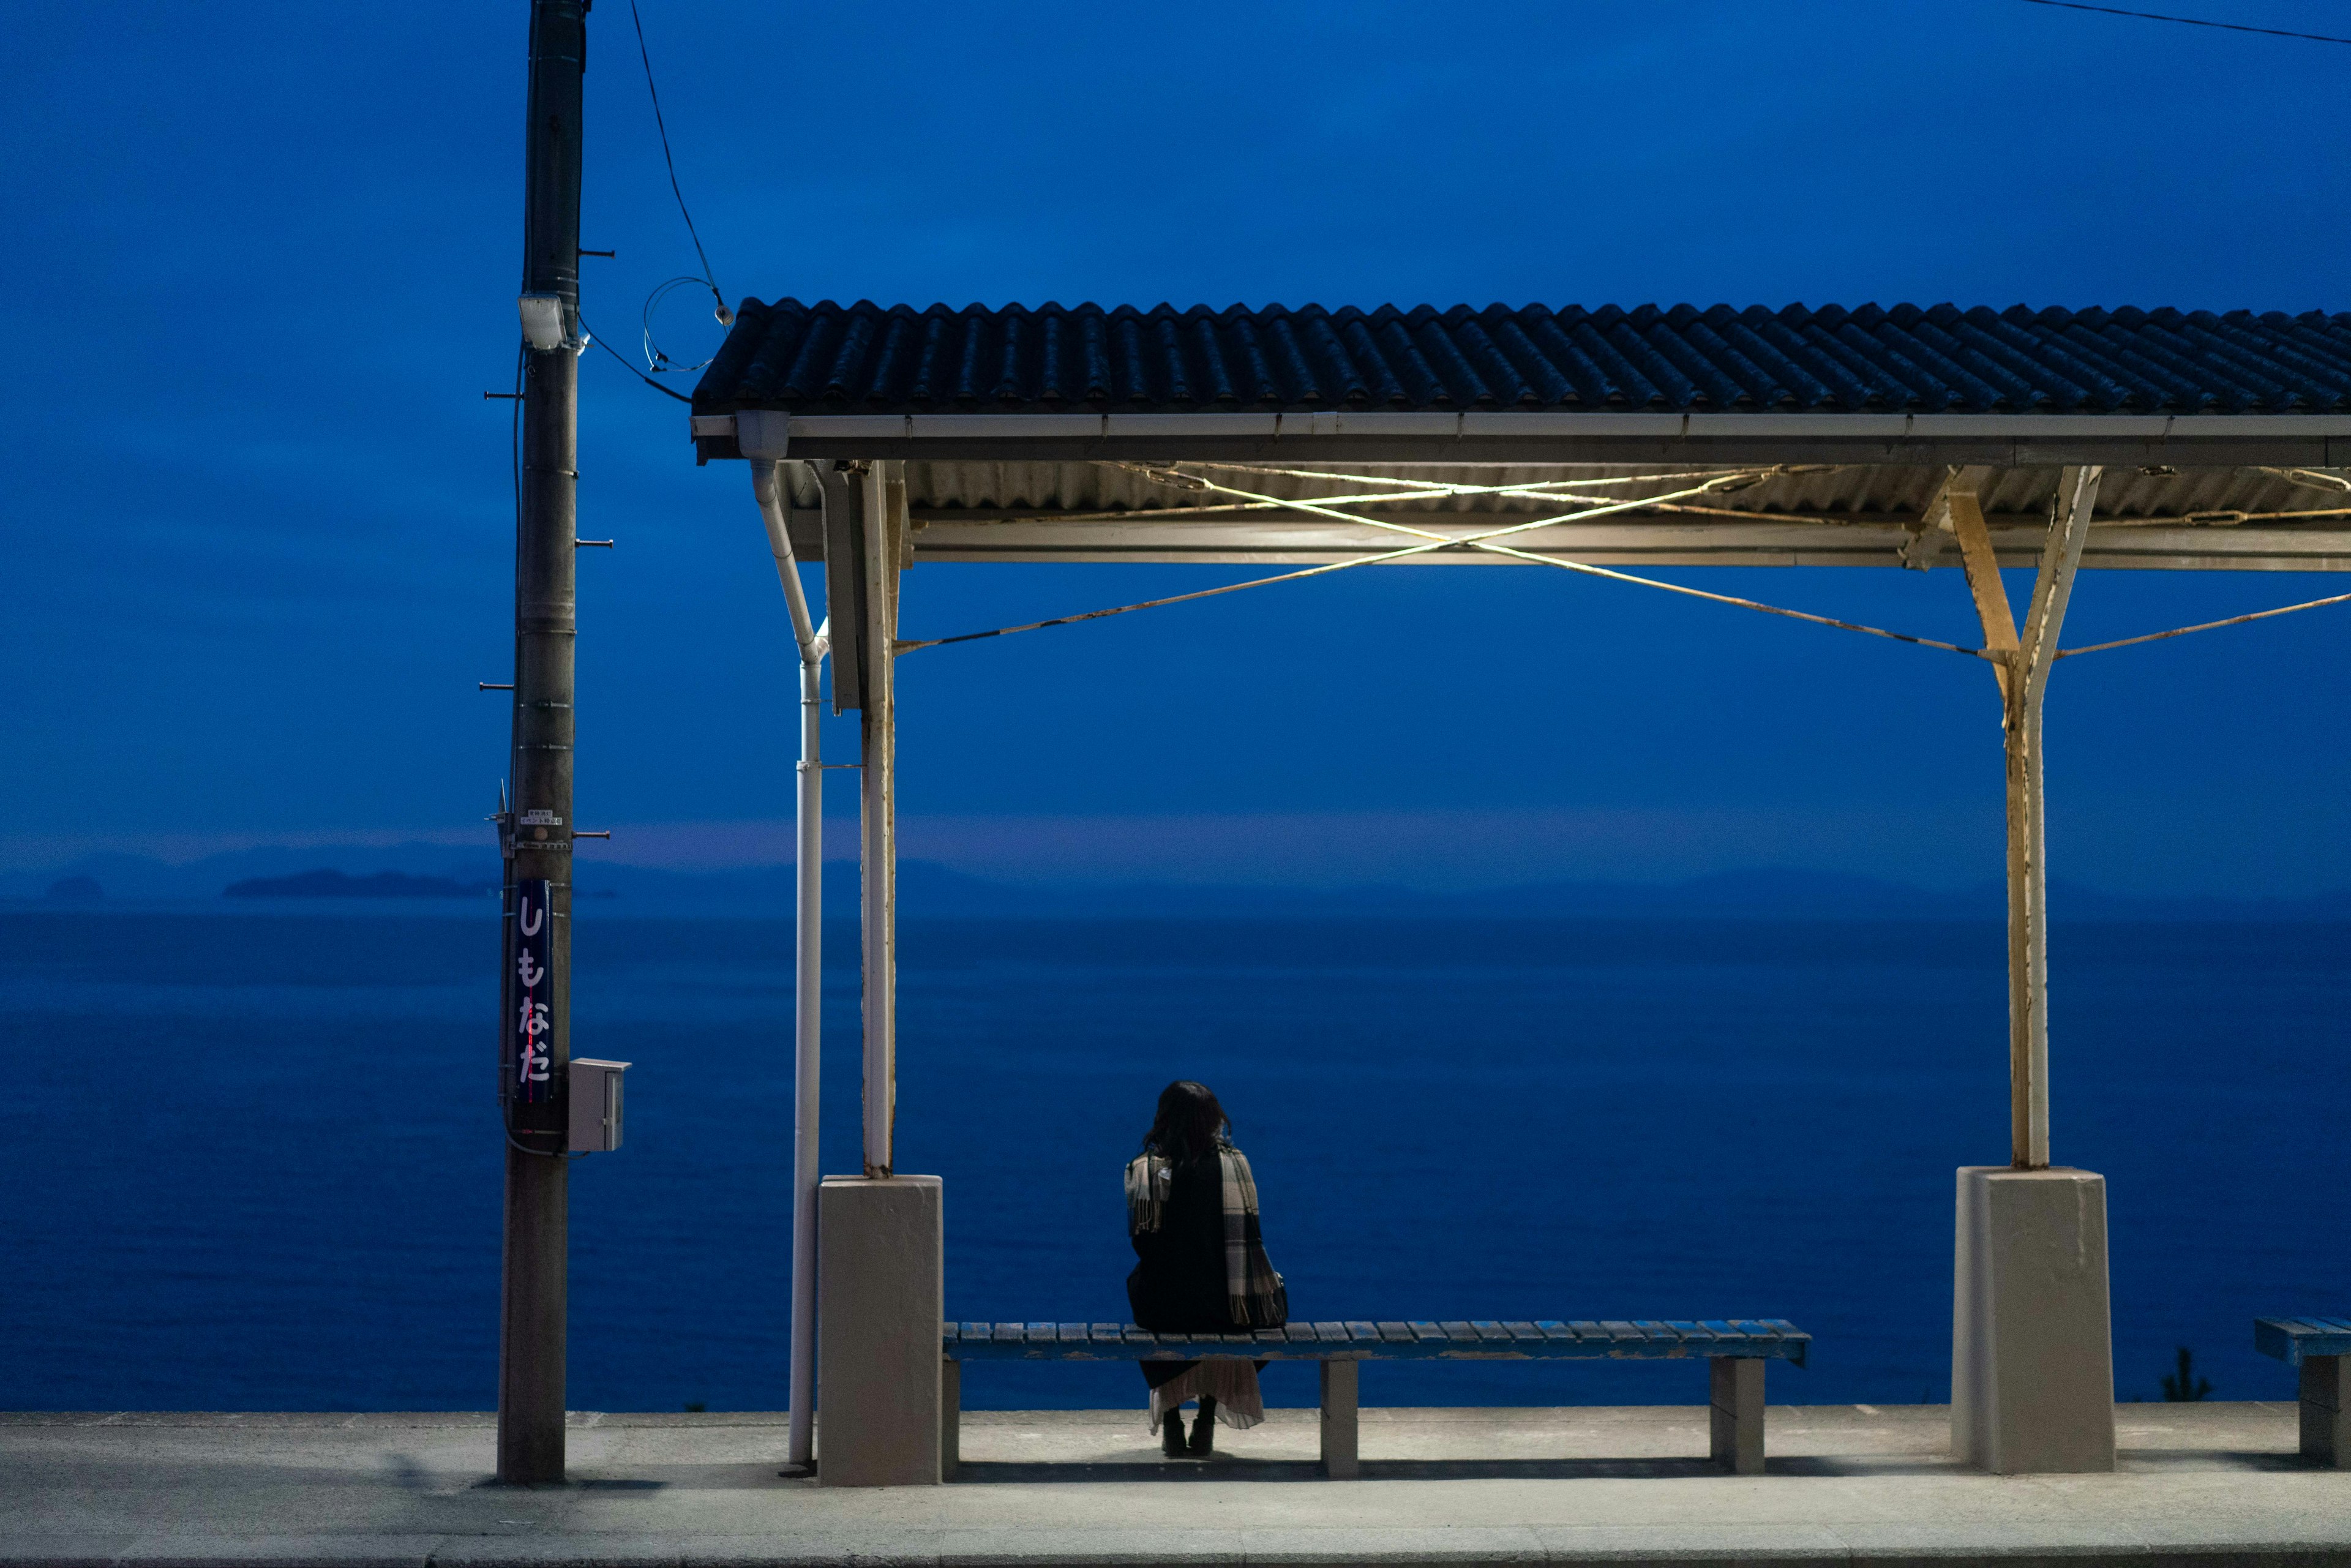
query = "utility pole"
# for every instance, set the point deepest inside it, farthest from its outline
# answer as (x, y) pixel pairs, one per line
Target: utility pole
(536, 1031)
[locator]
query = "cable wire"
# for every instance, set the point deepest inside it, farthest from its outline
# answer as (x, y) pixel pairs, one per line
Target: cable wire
(2191, 21)
(660, 363)
(1480, 541)
(1484, 542)
(2206, 626)
(659, 124)
(1446, 542)
(665, 391)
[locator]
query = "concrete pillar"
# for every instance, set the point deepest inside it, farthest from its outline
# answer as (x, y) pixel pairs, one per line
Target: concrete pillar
(881, 1281)
(1735, 1412)
(2032, 1372)
(1338, 1427)
(2327, 1410)
(950, 1419)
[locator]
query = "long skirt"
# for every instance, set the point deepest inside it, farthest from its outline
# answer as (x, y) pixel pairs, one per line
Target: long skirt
(1231, 1381)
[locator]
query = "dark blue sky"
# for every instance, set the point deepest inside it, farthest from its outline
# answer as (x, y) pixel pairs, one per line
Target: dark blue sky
(258, 519)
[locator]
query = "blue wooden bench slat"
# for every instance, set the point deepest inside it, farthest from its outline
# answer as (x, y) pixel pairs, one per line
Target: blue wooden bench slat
(2320, 1347)
(1538, 1339)
(2294, 1338)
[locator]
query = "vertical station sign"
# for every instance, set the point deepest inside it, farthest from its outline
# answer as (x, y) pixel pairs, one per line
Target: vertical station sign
(532, 990)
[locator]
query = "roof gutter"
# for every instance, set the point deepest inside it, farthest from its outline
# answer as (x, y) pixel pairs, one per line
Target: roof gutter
(2003, 440)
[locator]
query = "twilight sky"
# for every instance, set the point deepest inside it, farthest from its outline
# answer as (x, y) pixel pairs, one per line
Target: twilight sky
(254, 545)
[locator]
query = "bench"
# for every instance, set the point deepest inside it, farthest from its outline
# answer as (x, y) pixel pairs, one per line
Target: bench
(1735, 1350)
(2322, 1348)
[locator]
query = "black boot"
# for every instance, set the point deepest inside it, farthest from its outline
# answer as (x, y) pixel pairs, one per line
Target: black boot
(1171, 1436)
(1204, 1428)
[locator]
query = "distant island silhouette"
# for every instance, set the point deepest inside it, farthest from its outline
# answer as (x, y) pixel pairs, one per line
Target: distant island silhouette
(338, 884)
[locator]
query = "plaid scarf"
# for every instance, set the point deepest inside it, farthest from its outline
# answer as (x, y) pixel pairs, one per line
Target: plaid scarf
(1254, 1292)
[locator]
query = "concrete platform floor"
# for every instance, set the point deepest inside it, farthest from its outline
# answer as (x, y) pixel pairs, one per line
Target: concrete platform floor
(2198, 1484)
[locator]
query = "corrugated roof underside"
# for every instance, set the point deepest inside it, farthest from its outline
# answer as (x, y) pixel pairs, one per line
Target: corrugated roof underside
(867, 358)
(1046, 489)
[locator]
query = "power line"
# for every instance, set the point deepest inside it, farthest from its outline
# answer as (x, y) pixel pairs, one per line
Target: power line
(665, 391)
(2185, 21)
(725, 317)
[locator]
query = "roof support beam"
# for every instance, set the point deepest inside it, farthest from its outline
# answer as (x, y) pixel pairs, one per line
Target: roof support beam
(1638, 539)
(1982, 565)
(1933, 530)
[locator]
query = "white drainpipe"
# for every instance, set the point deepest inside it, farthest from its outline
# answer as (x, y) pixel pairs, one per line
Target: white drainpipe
(809, 975)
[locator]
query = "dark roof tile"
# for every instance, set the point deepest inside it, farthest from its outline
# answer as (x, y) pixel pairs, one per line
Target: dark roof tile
(1940, 359)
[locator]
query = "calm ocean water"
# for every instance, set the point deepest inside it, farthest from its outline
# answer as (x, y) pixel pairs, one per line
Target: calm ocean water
(252, 1161)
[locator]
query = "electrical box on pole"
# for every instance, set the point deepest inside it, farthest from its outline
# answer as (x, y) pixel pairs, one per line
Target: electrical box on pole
(596, 1105)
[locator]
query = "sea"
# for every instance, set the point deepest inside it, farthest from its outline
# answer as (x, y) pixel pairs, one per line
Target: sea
(251, 1160)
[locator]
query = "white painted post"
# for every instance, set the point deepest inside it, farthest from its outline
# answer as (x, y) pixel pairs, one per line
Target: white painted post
(2024, 656)
(2028, 683)
(879, 850)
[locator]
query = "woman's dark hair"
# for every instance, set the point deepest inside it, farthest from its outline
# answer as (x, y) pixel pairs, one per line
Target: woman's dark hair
(1190, 1123)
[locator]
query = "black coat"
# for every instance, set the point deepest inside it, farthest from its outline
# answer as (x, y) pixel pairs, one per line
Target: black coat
(1179, 1285)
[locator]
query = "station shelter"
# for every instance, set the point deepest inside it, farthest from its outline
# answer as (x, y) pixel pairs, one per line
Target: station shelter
(1602, 442)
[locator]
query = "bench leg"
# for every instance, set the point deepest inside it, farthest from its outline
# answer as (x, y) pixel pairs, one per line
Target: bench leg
(2326, 1410)
(1339, 1387)
(1736, 1417)
(950, 1418)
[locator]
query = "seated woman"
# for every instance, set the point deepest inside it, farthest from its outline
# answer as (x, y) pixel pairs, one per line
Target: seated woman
(1191, 1211)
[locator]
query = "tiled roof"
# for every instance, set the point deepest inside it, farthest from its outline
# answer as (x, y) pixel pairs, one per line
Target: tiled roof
(867, 358)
